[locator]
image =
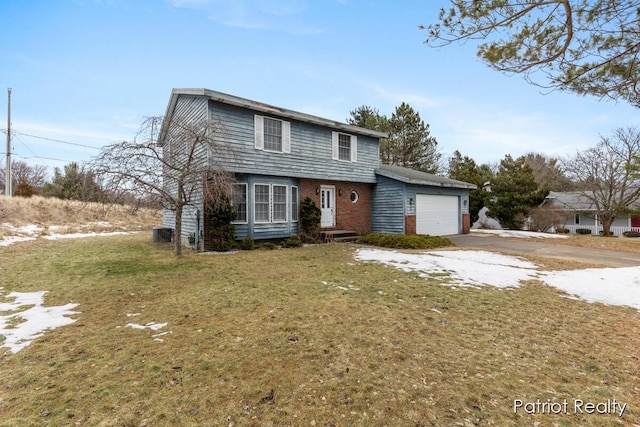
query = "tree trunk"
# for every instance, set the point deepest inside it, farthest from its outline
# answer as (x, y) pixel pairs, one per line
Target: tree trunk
(606, 220)
(178, 236)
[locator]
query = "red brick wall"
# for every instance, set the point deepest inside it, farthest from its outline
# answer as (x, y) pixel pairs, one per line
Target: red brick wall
(409, 224)
(466, 223)
(349, 216)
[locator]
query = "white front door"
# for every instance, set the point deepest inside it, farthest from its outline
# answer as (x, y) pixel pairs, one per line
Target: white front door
(327, 206)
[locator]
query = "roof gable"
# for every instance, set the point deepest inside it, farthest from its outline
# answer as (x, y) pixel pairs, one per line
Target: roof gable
(411, 176)
(265, 109)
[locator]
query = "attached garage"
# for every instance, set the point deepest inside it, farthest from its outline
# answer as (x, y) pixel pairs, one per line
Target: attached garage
(437, 215)
(406, 201)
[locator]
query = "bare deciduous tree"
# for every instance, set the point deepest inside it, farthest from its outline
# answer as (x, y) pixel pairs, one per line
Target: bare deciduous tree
(608, 174)
(25, 177)
(184, 168)
(543, 219)
(547, 172)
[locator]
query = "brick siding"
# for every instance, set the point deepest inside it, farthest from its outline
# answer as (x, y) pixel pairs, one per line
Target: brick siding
(349, 216)
(466, 223)
(409, 224)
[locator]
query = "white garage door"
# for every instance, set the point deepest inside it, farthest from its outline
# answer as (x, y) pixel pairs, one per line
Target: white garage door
(437, 215)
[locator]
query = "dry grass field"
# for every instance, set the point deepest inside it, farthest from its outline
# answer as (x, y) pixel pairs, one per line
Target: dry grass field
(74, 216)
(623, 244)
(302, 337)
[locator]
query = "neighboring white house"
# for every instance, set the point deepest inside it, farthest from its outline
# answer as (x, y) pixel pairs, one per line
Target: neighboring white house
(580, 212)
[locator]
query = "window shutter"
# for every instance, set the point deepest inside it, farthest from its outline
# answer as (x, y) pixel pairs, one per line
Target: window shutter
(354, 148)
(259, 131)
(334, 145)
(286, 137)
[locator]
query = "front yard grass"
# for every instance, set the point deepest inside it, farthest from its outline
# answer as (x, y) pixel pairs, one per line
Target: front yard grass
(304, 336)
(622, 244)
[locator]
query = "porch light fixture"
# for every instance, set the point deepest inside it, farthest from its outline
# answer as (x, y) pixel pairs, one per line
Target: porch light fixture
(410, 201)
(317, 190)
(340, 191)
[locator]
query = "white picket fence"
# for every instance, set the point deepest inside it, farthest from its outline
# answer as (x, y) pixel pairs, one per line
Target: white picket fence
(595, 230)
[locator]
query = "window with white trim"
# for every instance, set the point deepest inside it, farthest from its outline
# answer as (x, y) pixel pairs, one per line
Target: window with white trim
(344, 147)
(261, 203)
(240, 202)
(279, 203)
(294, 203)
(272, 135)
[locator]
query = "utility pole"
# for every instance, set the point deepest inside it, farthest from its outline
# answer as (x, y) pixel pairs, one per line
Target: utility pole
(8, 190)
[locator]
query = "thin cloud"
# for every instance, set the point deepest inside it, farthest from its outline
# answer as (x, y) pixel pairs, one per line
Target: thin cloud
(287, 15)
(398, 96)
(68, 132)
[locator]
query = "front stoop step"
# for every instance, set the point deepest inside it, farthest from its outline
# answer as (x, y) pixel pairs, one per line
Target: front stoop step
(329, 236)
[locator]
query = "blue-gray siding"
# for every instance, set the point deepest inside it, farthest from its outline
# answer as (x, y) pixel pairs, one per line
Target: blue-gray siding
(310, 156)
(393, 199)
(387, 206)
(188, 109)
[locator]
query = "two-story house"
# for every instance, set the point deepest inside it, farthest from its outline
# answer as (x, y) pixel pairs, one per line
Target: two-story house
(283, 156)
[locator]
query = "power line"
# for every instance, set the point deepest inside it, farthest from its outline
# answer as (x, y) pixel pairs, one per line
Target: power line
(55, 140)
(41, 158)
(30, 150)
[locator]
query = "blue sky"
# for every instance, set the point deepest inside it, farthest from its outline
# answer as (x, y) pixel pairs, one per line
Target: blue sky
(88, 72)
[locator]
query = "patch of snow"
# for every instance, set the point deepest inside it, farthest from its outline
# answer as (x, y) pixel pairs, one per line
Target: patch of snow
(29, 229)
(616, 286)
(485, 221)
(19, 329)
(151, 325)
(521, 234)
(55, 236)
(461, 268)
(10, 240)
(32, 232)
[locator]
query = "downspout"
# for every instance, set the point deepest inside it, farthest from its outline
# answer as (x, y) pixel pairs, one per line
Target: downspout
(198, 238)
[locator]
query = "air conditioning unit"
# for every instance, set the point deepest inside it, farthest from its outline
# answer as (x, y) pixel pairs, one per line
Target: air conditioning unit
(162, 235)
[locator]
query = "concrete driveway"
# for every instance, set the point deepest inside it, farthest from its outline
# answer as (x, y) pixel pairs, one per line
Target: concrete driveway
(542, 249)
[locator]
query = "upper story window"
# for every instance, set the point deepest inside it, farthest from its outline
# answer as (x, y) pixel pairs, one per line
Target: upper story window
(345, 147)
(272, 134)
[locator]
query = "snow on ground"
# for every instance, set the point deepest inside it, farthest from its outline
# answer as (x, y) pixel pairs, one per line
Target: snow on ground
(54, 236)
(33, 232)
(151, 325)
(520, 234)
(461, 268)
(616, 286)
(30, 319)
